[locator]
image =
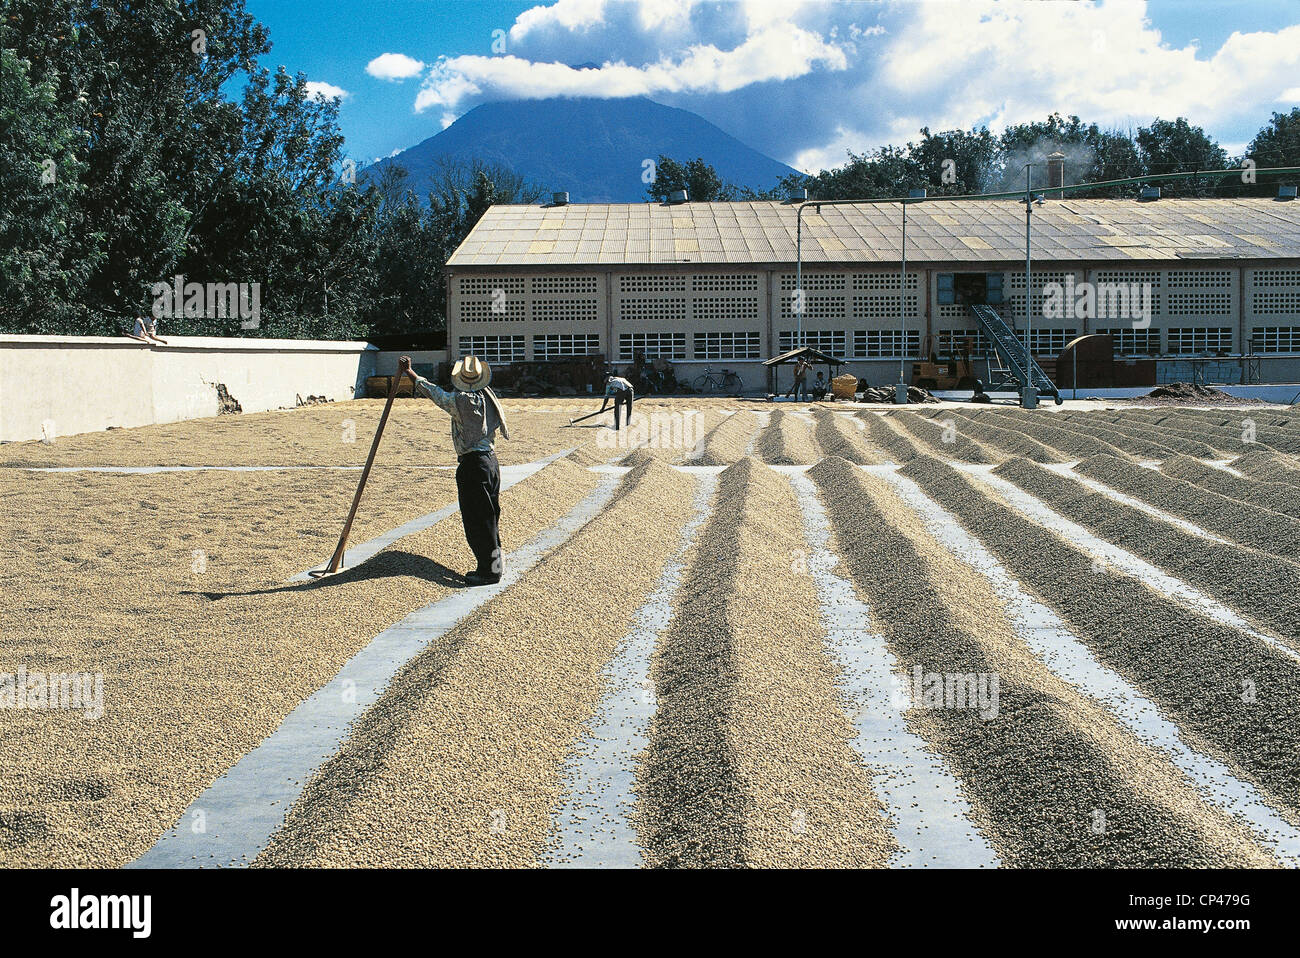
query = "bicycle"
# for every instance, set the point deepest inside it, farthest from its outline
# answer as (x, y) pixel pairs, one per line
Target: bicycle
(710, 382)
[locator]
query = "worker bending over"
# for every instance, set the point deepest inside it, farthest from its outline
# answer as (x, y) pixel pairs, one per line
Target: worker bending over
(475, 416)
(621, 391)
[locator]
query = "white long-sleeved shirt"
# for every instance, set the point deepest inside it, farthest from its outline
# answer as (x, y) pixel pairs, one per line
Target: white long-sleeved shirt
(474, 417)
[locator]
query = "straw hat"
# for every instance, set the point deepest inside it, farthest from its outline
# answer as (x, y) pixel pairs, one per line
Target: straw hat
(470, 374)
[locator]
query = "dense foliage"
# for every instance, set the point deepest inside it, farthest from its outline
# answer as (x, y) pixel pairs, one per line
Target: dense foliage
(143, 141)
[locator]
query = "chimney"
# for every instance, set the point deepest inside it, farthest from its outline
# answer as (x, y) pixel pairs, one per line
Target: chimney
(1056, 174)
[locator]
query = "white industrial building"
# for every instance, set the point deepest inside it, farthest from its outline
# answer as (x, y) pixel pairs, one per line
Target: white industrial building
(713, 284)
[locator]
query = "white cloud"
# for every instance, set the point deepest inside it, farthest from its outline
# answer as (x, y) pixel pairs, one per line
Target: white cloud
(1105, 62)
(394, 66)
(563, 14)
(326, 91)
(777, 52)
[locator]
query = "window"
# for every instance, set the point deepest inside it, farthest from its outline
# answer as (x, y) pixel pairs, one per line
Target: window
(946, 291)
(883, 307)
(493, 349)
(1276, 339)
(724, 282)
(727, 345)
(950, 341)
(724, 307)
(1276, 302)
(814, 307)
(790, 281)
(1200, 304)
(562, 285)
(1049, 342)
(883, 343)
(827, 340)
(883, 281)
(500, 307)
(486, 285)
(671, 308)
(667, 345)
(1016, 300)
(558, 345)
(1198, 279)
(1189, 341)
(1133, 342)
(1276, 277)
(652, 284)
(545, 310)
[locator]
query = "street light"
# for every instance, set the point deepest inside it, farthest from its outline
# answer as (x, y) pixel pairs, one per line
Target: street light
(1028, 395)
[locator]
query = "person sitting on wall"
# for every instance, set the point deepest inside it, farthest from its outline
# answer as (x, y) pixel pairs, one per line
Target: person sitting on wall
(146, 330)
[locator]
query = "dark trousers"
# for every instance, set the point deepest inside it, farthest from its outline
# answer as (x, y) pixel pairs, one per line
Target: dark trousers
(620, 399)
(478, 482)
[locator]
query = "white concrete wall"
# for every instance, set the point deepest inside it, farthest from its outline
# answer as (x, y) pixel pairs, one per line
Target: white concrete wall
(386, 359)
(88, 383)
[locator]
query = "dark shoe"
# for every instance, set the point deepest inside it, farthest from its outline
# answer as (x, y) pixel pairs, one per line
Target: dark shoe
(482, 578)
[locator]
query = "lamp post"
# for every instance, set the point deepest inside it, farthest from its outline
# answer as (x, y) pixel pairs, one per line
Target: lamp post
(1028, 395)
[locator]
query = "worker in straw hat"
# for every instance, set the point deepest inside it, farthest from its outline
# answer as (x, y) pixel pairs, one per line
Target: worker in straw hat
(475, 416)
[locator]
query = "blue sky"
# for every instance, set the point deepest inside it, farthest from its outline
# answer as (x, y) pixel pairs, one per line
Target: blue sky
(802, 81)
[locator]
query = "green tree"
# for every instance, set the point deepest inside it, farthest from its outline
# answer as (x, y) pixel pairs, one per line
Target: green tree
(1169, 146)
(700, 180)
(40, 271)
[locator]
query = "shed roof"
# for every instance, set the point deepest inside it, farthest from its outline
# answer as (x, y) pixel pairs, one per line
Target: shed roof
(940, 231)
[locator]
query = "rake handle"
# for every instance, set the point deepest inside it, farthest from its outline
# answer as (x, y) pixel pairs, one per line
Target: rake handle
(336, 561)
(588, 416)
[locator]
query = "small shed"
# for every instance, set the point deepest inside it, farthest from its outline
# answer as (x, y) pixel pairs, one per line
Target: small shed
(815, 356)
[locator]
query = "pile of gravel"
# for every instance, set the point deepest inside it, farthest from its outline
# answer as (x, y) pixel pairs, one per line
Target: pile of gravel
(1191, 393)
(1176, 441)
(1139, 441)
(1237, 521)
(727, 442)
(1269, 466)
(1041, 427)
(945, 436)
(1275, 496)
(749, 761)
(1192, 666)
(838, 436)
(1036, 771)
(787, 440)
(1008, 441)
(1261, 587)
(888, 438)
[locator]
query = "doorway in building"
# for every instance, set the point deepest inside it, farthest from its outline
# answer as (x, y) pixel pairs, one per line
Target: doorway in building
(970, 289)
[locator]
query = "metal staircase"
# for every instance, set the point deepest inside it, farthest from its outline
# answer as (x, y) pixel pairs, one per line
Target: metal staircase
(1015, 366)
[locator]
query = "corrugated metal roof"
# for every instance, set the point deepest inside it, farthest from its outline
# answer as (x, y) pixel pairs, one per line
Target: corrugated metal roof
(939, 230)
